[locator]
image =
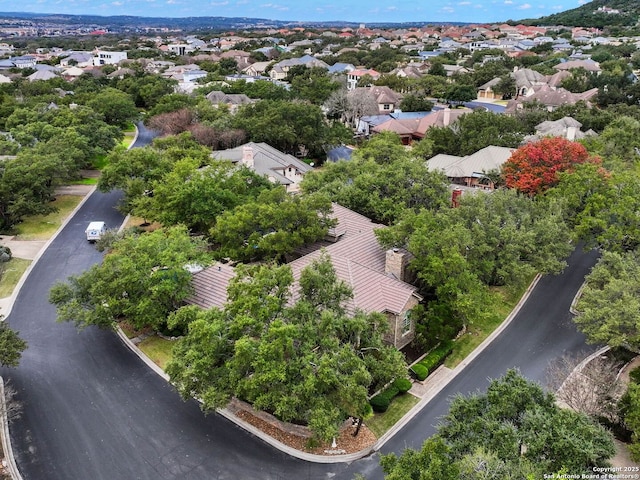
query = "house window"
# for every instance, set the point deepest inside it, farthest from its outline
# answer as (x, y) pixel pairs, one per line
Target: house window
(386, 106)
(406, 322)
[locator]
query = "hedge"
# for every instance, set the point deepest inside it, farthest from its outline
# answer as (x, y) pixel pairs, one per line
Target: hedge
(381, 402)
(436, 357)
(402, 384)
(420, 371)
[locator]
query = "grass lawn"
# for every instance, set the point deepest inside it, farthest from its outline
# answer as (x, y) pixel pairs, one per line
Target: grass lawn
(157, 349)
(42, 227)
(85, 181)
(127, 140)
(12, 274)
(381, 422)
(501, 304)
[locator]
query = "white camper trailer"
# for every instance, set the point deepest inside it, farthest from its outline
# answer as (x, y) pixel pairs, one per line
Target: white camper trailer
(95, 230)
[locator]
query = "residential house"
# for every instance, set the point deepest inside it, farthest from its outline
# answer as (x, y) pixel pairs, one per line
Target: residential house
(472, 171)
(280, 70)
(265, 160)
(78, 59)
(103, 57)
(232, 100)
(42, 75)
(356, 75)
(256, 69)
(341, 68)
(526, 79)
(377, 277)
(566, 127)
(551, 98)
(588, 65)
(72, 73)
(409, 126)
(25, 61)
(486, 91)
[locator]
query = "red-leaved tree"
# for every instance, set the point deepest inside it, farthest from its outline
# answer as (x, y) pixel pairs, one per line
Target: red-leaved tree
(534, 167)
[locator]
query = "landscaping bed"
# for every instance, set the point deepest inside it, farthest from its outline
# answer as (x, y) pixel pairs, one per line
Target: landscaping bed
(345, 442)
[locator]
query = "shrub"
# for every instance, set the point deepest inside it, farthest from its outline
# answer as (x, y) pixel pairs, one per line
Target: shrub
(402, 384)
(380, 403)
(435, 358)
(635, 375)
(420, 371)
(5, 253)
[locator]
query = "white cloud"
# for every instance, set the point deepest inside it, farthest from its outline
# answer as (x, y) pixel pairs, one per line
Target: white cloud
(524, 6)
(508, 2)
(391, 8)
(219, 4)
(117, 4)
(447, 9)
(582, 2)
(275, 6)
(464, 3)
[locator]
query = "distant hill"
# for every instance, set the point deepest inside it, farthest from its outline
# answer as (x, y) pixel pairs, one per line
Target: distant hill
(192, 23)
(594, 14)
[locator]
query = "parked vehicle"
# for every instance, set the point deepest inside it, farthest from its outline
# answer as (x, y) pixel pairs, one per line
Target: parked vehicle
(95, 230)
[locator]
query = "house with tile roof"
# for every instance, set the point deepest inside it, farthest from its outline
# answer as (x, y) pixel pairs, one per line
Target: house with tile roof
(472, 171)
(375, 275)
(566, 127)
(265, 160)
(354, 76)
(551, 98)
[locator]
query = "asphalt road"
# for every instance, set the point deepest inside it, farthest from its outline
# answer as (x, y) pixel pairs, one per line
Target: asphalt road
(93, 410)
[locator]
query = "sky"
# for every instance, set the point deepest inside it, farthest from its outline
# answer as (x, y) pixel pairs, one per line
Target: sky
(361, 11)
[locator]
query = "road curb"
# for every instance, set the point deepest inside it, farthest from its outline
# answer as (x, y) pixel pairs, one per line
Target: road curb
(453, 373)
(12, 467)
(26, 273)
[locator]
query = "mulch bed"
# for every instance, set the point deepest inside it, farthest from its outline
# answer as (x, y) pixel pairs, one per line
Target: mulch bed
(346, 442)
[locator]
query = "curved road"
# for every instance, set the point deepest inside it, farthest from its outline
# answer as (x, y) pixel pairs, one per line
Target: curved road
(93, 410)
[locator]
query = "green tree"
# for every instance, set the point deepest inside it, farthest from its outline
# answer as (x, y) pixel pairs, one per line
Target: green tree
(304, 360)
(380, 182)
(195, 197)
(630, 412)
(271, 226)
(609, 304)
(115, 106)
(609, 219)
(133, 171)
(514, 430)
(460, 93)
(415, 103)
(26, 188)
(434, 461)
(515, 412)
(11, 346)
(312, 84)
(291, 127)
(142, 280)
(474, 131)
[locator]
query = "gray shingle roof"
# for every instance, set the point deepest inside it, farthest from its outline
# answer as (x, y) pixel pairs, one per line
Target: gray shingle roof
(267, 160)
(483, 161)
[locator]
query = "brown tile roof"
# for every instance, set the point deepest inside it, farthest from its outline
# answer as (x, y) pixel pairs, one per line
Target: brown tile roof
(357, 258)
(210, 286)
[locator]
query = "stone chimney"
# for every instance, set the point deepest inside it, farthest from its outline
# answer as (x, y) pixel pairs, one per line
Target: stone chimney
(247, 156)
(395, 264)
(571, 133)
